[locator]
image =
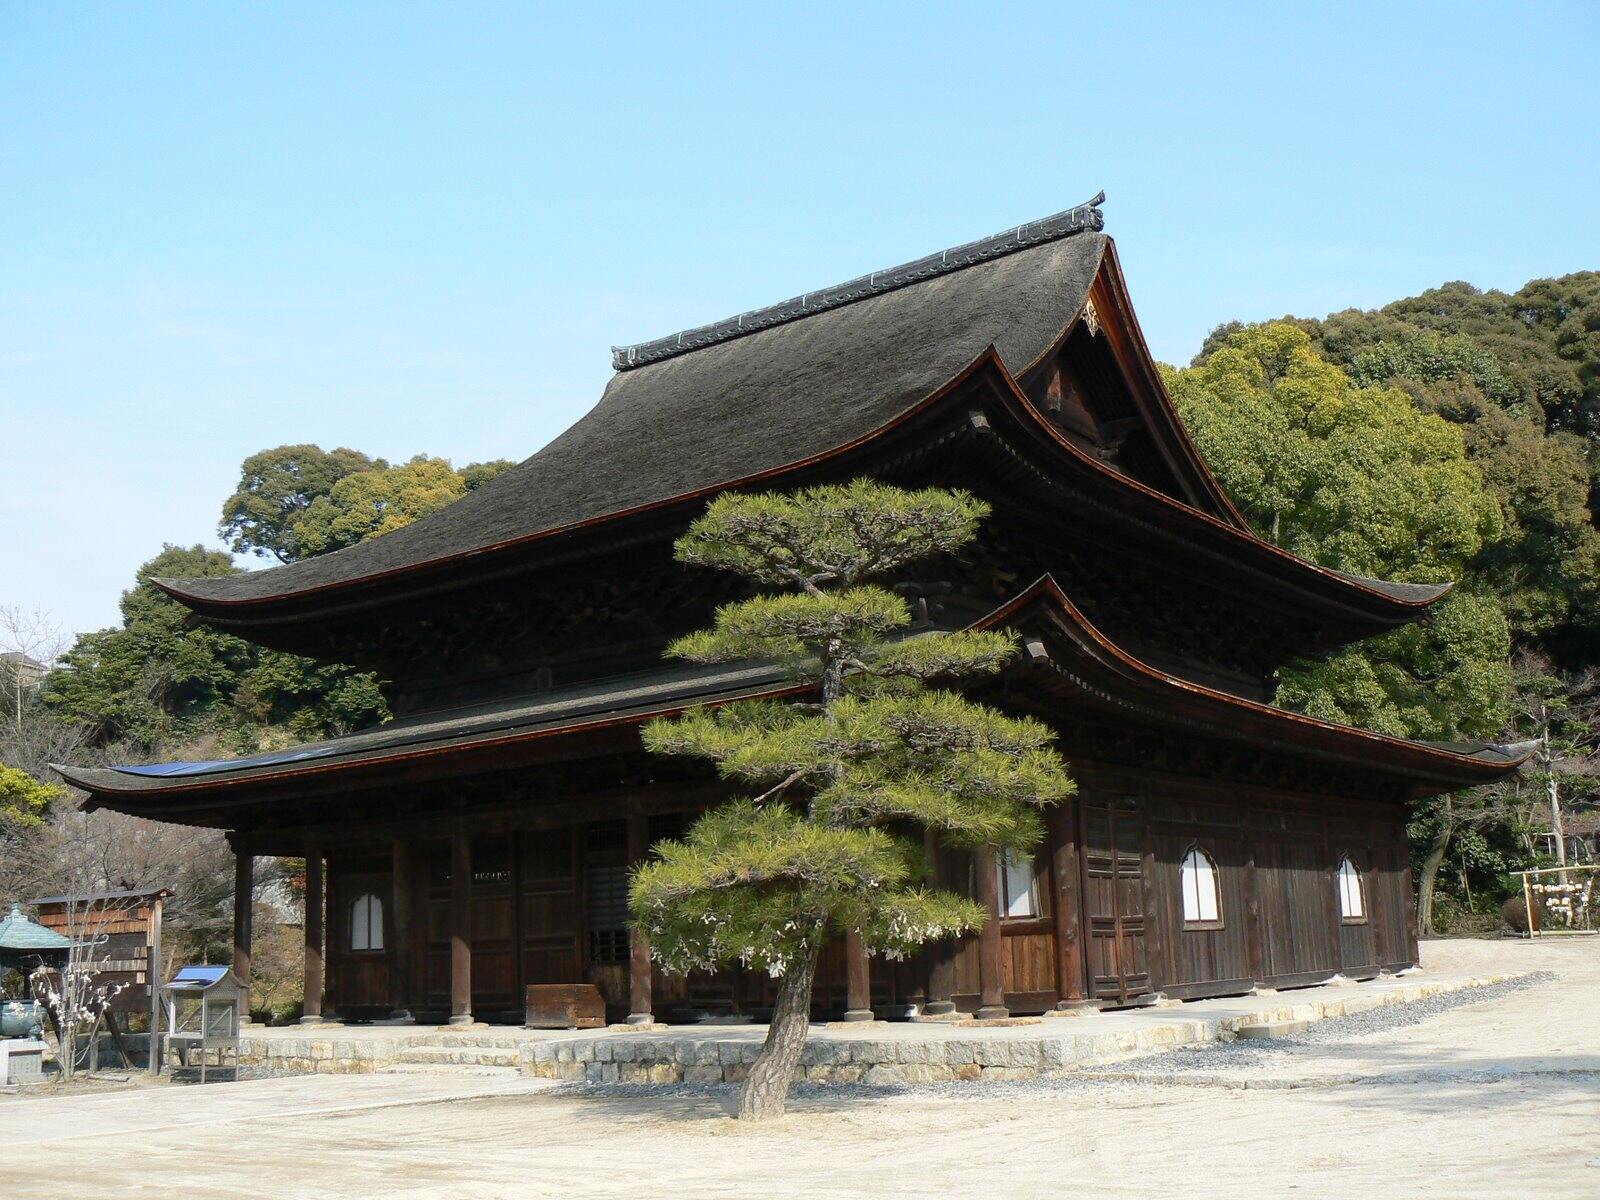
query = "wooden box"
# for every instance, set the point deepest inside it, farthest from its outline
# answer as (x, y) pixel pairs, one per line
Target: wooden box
(565, 1006)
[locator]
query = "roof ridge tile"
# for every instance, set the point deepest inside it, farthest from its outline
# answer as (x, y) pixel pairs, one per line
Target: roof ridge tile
(1078, 219)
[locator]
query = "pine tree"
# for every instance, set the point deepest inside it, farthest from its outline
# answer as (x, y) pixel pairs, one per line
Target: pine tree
(849, 778)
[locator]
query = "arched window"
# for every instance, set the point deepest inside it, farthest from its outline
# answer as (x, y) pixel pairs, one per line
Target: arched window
(1202, 904)
(1016, 884)
(366, 923)
(1352, 897)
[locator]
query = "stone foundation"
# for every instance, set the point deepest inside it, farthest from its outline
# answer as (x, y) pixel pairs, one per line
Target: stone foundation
(932, 1052)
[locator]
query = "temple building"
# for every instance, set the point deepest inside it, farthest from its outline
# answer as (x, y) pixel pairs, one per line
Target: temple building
(480, 842)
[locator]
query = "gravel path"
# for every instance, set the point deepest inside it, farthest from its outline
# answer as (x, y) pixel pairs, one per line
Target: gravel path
(1484, 1096)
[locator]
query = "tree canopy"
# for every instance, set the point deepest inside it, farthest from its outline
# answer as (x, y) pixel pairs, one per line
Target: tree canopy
(155, 679)
(297, 501)
(1359, 479)
(822, 848)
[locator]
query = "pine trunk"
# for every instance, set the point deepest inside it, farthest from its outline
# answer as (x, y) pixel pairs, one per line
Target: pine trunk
(766, 1089)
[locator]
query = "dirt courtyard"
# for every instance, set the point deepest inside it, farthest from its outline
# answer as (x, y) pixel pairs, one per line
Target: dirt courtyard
(1499, 1098)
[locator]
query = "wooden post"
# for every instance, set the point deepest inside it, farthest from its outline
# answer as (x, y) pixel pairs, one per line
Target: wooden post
(400, 955)
(1068, 899)
(461, 929)
(312, 1011)
(941, 954)
(244, 887)
(991, 947)
(639, 998)
(154, 977)
(858, 979)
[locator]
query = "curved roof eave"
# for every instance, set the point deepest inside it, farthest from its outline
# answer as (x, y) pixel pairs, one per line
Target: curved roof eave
(1483, 764)
(1408, 596)
(114, 788)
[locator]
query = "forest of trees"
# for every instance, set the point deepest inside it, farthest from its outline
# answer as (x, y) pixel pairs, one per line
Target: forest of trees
(152, 688)
(1453, 435)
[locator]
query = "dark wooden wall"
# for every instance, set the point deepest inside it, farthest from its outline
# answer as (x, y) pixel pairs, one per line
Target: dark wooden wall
(1110, 926)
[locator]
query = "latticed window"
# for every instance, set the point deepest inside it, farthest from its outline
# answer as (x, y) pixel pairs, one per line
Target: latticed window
(366, 922)
(1352, 895)
(1202, 901)
(608, 914)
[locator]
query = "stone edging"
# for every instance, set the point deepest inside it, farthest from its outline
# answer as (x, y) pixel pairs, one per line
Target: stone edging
(947, 1054)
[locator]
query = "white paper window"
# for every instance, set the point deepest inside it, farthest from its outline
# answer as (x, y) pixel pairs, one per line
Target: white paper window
(1016, 884)
(366, 923)
(1200, 898)
(1352, 901)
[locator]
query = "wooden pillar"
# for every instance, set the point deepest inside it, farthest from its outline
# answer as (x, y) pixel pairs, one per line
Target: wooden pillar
(991, 946)
(858, 979)
(155, 977)
(400, 953)
(312, 1012)
(1068, 897)
(244, 887)
(461, 929)
(639, 998)
(941, 959)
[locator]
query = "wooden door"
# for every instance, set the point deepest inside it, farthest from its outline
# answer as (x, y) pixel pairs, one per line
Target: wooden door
(493, 928)
(550, 910)
(359, 933)
(1113, 898)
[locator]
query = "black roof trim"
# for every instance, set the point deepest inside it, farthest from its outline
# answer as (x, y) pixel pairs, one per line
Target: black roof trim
(1086, 216)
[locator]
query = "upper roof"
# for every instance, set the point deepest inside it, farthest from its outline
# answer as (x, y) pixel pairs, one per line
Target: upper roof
(149, 893)
(743, 404)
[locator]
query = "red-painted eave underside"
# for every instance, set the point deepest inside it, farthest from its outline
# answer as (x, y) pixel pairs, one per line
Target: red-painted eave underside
(1060, 638)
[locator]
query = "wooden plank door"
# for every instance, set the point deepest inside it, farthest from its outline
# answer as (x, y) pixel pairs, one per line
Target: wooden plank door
(1113, 899)
(551, 918)
(358, 979)
(494, 963)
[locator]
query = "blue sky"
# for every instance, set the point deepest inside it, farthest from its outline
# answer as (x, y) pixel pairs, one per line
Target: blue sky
(412, 228)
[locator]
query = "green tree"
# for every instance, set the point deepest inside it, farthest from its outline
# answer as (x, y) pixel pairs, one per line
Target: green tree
(1520, 373)
(153, 676)
(24, 801)
(379, 501)
(475, 475)
(155, 679)
(293, 502)
(823, 849)
(276, 487)
(1356, 478)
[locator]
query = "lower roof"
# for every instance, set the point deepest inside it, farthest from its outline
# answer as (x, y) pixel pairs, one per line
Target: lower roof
(1085, 659)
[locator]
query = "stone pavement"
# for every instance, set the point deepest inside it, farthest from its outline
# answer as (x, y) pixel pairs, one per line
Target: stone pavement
(870, 1052)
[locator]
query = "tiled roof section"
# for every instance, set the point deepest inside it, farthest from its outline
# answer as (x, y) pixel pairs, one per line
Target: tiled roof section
(733, 411)
(1083, 217)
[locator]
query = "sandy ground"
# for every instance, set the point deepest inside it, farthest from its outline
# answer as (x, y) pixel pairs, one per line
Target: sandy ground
(1496, 1099)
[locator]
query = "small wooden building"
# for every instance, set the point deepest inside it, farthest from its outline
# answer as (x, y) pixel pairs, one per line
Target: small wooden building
(122, 931)
(480, 842)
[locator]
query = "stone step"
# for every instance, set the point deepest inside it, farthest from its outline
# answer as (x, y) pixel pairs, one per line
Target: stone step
(499, 1041)
(468, 1055)
(465, 1070)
